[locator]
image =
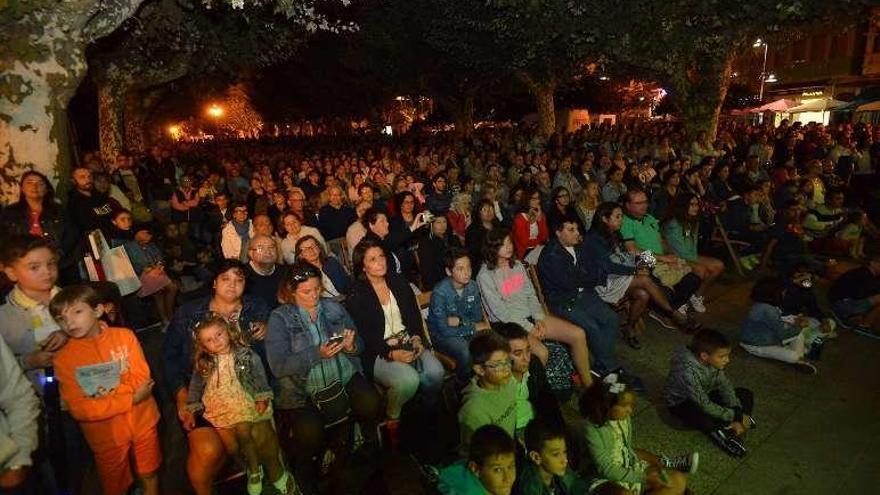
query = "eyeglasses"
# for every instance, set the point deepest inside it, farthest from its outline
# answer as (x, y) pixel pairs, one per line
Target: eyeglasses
(263, 249)
(498, 365)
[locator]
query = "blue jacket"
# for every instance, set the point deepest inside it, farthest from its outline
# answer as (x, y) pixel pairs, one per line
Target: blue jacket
(763, 326)
(337, 274)
(563, 281)
(446, 302)
(249, 371)
(177, 349)
(599, 250)
(292, 351)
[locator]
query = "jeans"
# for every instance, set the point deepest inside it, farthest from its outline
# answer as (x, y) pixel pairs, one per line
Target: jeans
(601, 324)
(402, 380)
(694, 417)
(456, 347)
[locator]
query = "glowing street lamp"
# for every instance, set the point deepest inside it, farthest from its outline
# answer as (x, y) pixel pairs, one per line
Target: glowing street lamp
(215, 111)
(174, 132)
(759, 43)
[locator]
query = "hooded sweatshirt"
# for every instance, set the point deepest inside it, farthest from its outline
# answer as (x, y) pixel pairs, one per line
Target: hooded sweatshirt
(457, 479)
(691, 380)
(480, 406)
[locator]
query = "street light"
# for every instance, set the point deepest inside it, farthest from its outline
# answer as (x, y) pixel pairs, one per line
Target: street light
(758, 43)
(215, 111)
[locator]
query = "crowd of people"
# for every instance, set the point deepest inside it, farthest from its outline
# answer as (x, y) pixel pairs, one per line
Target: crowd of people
(316, 294)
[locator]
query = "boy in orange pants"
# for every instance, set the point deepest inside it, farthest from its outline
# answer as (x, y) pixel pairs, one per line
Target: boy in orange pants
(104, 378)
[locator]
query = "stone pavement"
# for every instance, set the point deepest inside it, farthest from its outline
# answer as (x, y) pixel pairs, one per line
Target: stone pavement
(815, 433)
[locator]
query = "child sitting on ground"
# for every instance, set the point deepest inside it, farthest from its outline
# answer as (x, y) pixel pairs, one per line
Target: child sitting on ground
(768, 334)
(489, 469)
(490, 398)
(700, 395)
(608, 407)
(230, 389)
(105, 381)
(546, 471)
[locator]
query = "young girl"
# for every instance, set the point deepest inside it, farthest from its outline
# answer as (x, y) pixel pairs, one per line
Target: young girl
(766, 333)
(230, 388)
(607, 407)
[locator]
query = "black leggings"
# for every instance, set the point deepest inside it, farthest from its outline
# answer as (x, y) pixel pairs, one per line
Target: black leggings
(301, 431)
(694, 417)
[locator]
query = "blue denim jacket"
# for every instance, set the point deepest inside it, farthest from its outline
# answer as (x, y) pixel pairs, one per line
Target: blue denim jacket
(177, 350)
(293, 352)
(446, 302)
(250, 373)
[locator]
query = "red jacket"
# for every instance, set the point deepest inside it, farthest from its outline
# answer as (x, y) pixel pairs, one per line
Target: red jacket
(521, 241)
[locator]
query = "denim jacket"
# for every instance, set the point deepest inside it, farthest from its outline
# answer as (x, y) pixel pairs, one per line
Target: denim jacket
(292, 351)
(446, 302)
(250, 373)
(177, 350)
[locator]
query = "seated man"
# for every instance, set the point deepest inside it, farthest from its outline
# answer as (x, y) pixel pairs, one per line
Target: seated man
(569, 282)
(742, 221)
(641, 232)
(855, 297)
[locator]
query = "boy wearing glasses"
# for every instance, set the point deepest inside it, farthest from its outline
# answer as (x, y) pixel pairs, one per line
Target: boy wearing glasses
(490, 398)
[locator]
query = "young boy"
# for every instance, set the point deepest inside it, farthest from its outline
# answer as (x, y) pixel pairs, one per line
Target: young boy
(489, 469)
(699, 393)
(19, 413)
(490, 398)
(105, 381)
(855, 298)
(456, 312)
(547, 471)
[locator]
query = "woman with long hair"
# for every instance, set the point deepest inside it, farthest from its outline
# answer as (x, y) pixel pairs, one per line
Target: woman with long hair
(509, 296)
(587, 202)
(335, 282)
(530, 224)
(681, 229)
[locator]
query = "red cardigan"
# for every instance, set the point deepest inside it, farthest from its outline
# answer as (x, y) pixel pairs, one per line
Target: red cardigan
(521, 241)
(458, 223)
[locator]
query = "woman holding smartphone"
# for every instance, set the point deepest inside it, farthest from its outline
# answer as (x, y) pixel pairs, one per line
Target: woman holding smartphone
(312, 344)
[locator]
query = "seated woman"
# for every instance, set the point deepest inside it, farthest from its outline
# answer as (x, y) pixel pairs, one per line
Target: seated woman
(292, 230)
(485, 219)
(604, 245)
(459, 215)
(395, 242)
(587, 203)
(335, 282)
(509, 296)
(207, 453)
(432, 250)
(530, 224)
(389, 321)
(681, 229)
(313, 345)
(561, 210)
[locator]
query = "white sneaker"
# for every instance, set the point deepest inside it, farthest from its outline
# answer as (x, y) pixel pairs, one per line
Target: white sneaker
(683, 309)
(697, 303)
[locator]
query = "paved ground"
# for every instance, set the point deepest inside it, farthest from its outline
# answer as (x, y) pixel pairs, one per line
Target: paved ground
(815, 433)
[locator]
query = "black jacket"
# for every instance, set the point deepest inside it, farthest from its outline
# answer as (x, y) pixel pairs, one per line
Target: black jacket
(365, 309)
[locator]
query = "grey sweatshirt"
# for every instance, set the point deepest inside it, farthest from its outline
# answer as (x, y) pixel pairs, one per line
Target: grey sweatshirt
(509, 296)
(691, 380)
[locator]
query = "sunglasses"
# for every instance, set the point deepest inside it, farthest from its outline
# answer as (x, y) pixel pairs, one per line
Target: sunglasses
(305, 274)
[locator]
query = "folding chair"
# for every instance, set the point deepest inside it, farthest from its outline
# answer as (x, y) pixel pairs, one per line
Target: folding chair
(720, 234)
(339, 248)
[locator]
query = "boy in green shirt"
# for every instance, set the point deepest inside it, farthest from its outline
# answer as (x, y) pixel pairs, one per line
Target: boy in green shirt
(490, 468)
(546, 472)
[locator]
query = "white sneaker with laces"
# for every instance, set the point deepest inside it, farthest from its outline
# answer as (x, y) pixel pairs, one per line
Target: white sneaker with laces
(697, 303)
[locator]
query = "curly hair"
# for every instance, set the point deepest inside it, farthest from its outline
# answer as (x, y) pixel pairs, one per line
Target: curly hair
(203, 361)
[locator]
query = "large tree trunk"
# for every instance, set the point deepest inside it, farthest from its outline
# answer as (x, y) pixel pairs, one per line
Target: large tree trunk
(111, 126)
(546, 104)
(705, 91)
(134, 121)
(39, 77)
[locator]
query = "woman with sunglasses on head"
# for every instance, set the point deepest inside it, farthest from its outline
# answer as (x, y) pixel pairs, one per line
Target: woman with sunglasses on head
(335, 281)
(386, 313)
(313, 349)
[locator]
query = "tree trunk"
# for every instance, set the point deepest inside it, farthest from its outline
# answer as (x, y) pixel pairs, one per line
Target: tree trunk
(543, 93)
(133, 121)
(464, 117)
(111, 127)
(705, 92)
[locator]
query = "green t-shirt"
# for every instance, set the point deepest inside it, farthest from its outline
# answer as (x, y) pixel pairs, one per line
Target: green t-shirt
(645, 232)
(524, 410)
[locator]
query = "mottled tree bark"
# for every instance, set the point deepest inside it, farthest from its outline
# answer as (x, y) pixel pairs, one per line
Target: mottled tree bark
(111, 121)
(705, 89)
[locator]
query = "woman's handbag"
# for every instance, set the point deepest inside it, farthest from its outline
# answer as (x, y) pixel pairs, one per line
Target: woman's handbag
(332, 399)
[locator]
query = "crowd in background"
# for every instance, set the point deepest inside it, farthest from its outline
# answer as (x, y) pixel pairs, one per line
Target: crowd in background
(346, 286)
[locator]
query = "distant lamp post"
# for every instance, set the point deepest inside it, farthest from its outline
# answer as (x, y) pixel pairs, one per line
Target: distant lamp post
(759, 43)
(215, 111)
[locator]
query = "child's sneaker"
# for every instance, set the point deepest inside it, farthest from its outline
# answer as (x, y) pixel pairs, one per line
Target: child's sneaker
(687, 463)
(697, 303)
(286, 484)
(726, 439)
(255, 482)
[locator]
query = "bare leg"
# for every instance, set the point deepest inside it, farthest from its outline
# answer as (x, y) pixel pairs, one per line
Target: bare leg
(150, 483)
(267, 447)
(710, 269)
(207, 456)
(657, 295)
(638, 304)
(568, 333)
(247, 447)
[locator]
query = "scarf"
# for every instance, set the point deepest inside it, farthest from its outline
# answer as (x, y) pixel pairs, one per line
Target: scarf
(242, 229)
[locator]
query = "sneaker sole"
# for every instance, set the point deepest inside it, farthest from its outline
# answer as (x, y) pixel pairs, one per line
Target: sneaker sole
(659, 319)
(806, 367)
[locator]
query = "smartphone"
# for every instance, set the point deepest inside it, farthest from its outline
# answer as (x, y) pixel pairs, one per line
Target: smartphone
(336, 339)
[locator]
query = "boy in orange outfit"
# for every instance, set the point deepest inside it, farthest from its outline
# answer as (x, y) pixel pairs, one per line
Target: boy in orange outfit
(105, 381)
